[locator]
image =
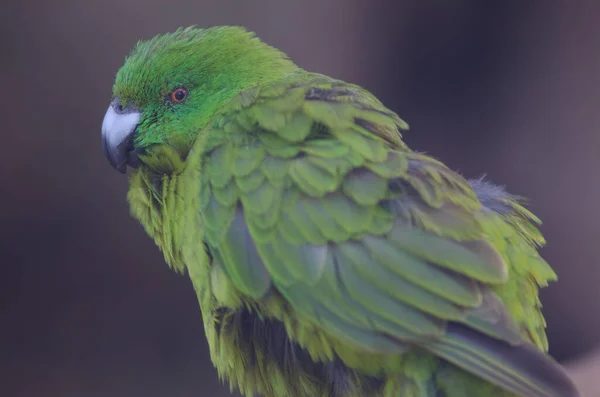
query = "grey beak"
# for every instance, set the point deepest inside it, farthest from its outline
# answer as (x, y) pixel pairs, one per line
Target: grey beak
(118, 128)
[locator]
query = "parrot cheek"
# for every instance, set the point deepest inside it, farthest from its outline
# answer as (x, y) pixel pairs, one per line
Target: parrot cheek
(118, 129)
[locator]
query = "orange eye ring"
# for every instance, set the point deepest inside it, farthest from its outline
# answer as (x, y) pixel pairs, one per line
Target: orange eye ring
(178, 95)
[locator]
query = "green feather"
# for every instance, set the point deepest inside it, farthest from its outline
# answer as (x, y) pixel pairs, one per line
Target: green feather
(454, 287)
(251, 181)
(247, 159)
(365, 188)
(296, 129)
(475, 259)
(311, 179)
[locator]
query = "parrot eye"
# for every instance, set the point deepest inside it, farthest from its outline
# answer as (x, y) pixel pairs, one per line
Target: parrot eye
(178, 95)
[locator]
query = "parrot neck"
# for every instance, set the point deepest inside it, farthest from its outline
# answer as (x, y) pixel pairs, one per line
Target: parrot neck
(154, 201)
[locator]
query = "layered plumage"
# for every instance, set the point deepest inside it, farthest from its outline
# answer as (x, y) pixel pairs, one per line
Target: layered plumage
(329, 259)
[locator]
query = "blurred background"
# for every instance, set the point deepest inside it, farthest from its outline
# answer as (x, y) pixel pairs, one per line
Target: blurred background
(87, 305)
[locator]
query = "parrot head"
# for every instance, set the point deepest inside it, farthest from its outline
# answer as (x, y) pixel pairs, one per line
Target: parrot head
(171, 86)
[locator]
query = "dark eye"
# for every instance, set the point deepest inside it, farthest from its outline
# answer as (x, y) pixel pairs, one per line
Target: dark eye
(178, 95)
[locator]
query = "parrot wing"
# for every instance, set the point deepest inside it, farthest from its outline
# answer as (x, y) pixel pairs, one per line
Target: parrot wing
(308, 189)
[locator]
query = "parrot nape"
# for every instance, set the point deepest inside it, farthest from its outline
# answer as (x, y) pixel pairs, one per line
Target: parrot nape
(329, 259)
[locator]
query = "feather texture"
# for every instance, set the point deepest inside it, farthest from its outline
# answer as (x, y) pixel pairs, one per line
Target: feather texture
(329, 259)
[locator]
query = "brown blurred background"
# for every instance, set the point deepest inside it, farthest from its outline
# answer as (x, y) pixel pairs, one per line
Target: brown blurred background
(87, 306)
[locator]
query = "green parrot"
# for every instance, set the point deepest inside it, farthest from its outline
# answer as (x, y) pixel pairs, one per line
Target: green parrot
(329, 259)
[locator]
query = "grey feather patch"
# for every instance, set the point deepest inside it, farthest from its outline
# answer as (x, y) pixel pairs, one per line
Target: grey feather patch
(493, 197)
(316, 257)
(252, 278)
(523, 369)
(304, 262)
(492, 318)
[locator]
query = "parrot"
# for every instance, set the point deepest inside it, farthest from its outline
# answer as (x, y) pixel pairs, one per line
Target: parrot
(328, 258)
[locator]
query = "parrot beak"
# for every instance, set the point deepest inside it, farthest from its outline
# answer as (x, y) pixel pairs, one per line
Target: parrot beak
(118, 128)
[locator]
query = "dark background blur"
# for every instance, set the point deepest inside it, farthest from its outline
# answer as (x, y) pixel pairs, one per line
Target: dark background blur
(87, 306)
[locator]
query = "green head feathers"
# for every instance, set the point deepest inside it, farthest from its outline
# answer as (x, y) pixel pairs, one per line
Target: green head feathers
(209, 66)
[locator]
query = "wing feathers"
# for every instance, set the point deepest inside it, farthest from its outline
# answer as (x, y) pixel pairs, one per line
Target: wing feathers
(311, 191)
(522, 369)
